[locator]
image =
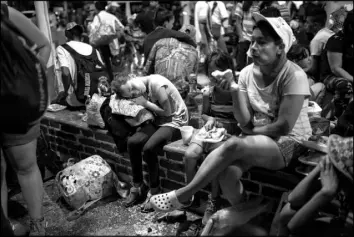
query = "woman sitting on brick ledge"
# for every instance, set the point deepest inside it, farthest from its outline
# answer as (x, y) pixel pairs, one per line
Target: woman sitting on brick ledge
(270, 103)
(171, 113)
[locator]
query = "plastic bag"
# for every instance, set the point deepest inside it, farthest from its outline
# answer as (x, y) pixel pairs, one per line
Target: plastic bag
(93, 106)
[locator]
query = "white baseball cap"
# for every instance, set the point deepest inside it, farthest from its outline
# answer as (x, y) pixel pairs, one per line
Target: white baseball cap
(281, 28)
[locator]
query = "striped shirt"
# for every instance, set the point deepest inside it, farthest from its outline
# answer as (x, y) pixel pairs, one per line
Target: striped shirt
(247, 21)
(284, 13)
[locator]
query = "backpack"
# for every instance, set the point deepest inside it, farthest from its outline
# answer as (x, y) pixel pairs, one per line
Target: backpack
(90, 73)
(23, 86)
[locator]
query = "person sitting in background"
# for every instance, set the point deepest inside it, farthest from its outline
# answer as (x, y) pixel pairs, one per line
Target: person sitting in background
(170, 53)
(68, 65)
(300, 55)
(217, 107)
(337, 68)
(316, 24)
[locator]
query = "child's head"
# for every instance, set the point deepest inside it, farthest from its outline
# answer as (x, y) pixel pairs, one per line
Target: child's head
(128, 86)
(218, 60)
(300, 55)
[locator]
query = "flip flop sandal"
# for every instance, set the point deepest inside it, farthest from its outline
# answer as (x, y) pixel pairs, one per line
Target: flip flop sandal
(167, 202)
(79, 212)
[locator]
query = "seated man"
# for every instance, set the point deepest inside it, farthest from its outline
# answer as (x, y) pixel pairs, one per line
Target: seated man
(337, 70)
(270, 103)
(68, 65)
(316, 24)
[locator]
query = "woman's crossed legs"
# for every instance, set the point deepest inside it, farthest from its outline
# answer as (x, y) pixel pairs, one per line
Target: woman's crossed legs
(236, 155)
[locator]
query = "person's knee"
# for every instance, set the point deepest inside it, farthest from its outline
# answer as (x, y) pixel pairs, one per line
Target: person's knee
(27, 167)
(134, 144)
(233, 144)
(150, 148)
(192, 155)
(230, 174)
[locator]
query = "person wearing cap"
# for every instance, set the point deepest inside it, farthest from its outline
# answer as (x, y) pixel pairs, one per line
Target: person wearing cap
(335, 171)
(270, 103)
(73, 33)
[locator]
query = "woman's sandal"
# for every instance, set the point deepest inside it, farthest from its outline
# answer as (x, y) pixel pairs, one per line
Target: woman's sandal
(167, 202)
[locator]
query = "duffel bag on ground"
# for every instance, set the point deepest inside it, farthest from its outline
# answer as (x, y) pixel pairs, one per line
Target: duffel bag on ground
(88, 181)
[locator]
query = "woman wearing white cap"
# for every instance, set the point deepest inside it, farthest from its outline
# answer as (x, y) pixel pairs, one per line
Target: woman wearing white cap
(270, 103)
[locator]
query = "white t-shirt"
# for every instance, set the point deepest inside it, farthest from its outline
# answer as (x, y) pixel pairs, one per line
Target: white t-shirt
(220, 12)
(66, 60)
(318, 43)
(265, 102)
(201, 9)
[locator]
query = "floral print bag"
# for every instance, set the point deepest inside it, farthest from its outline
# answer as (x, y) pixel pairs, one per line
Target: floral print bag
(86, 182)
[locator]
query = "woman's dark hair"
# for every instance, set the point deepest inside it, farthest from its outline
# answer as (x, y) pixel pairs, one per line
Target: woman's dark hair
(348, 26)
(264, 26)
(246, 5)
(270, 12)
(222, 60)
(101, 5)
(297, 52)
(161, 16)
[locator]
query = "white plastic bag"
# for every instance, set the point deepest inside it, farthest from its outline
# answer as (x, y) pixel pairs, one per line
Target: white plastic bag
(93, 106)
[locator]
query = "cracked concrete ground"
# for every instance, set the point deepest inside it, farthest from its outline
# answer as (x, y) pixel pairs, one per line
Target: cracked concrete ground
(108, 217)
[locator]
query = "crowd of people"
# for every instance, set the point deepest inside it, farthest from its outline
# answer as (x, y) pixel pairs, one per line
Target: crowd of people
(276, 62)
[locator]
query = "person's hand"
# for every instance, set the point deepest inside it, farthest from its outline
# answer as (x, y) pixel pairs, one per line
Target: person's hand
(141, 100)
(329, 177)
(225, 80)
(210, 124)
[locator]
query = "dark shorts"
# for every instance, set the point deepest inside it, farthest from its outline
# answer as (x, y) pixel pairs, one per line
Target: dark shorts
(290, 149)
(14, 139)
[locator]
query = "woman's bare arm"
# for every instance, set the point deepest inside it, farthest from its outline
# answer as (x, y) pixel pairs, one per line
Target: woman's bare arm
(242, 110)
(336, 65)
(289, 111)
(32, 32)
(162, 97)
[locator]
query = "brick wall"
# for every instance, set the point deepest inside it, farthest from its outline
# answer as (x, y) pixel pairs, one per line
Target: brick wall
(73, 138)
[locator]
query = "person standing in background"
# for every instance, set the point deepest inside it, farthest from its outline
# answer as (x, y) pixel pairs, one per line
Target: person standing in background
(18, 136)
(203, 28)
(219, 22)
(244, 28)
(145, 19)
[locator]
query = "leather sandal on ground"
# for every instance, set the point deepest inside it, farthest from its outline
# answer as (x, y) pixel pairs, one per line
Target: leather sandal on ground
(167, 202)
